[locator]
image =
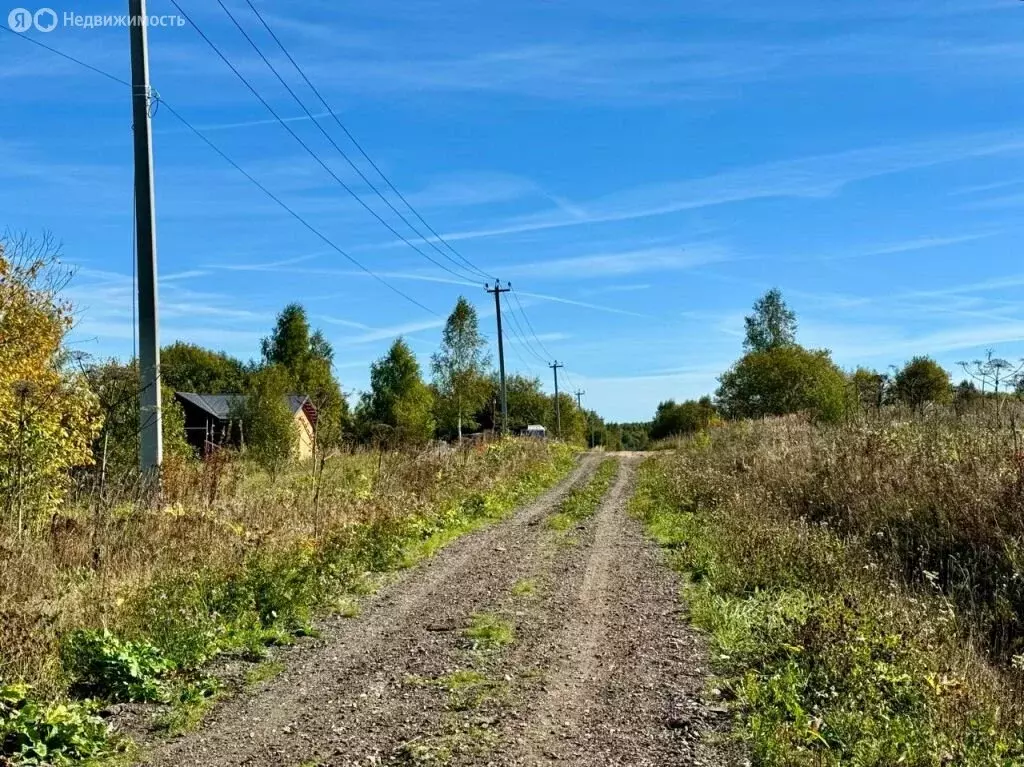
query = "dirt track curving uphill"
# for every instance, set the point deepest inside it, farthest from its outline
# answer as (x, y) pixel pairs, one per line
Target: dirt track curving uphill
(521, 644)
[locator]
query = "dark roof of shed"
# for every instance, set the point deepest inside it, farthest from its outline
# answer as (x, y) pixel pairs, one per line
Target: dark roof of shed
(221, 405)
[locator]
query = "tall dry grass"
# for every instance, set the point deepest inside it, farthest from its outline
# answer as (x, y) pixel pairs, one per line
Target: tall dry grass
(102, 562)
(863, 583)
(935, 497)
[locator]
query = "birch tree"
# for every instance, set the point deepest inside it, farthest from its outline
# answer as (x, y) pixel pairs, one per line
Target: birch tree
(460, 367)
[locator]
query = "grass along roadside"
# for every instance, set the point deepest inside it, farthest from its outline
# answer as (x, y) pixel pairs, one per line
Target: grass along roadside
(826, 655)
(160, 631)
(582, 502)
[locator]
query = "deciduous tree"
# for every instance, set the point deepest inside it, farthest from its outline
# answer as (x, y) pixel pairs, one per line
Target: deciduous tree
(189, 367)
(772, 325)
(398, 398)
(460, 368)
(922, 380)
(268, 427)
(782, 380)
(307, 360)
(48, 415)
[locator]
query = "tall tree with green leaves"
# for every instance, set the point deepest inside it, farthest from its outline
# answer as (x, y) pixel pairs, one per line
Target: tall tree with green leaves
(288, 344)
(787, 379)
(460, 368)
(188, 367)
(398, 399)
(307, 358)
(771, 326)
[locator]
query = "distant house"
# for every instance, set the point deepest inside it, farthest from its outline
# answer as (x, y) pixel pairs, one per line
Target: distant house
(211, 421)
(536, 431)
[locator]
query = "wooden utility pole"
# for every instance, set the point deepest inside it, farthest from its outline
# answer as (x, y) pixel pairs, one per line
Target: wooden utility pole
(579, 403)
(497, 290)
(151, 445)
(558, 408)
(580, 393)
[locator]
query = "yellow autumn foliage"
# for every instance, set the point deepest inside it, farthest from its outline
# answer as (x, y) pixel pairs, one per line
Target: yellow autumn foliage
(48, 416)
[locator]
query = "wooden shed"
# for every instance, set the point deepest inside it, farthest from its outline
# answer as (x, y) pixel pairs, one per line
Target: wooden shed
(211, 421)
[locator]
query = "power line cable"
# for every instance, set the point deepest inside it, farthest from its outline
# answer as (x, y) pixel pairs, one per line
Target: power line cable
(333, 143)
(530, 325)
(517, 330)
(330, 243)
(309, 150)
(239, 168)
(358, 146)
(63, 55)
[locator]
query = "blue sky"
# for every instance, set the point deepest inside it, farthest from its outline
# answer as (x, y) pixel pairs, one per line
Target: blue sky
(641, 172)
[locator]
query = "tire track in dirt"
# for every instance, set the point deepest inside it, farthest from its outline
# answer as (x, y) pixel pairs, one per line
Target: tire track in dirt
(344, 699)
(626, 684)
(602, 670)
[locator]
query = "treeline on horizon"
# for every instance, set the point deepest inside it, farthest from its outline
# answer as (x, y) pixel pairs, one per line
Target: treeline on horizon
(61, 413)
(777, 376)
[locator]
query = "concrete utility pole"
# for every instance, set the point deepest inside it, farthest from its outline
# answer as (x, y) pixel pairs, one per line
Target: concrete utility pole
(558, 408)
(497, 290)
(151, 451)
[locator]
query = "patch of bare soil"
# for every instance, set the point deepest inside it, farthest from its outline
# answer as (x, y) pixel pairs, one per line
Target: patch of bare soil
(516, 645)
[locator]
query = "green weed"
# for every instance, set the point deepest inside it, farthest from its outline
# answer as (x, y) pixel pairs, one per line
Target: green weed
(263, 672)
(104, 666)
(36, 733)
(190, 704)
(459, 742)
(524, 588)
(487, 631)
(467, 688)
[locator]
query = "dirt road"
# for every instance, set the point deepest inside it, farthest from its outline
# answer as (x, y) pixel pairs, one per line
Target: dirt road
(521, 644)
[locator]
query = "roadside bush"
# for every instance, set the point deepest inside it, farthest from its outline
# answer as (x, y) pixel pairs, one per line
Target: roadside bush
(103, 666)
(268, 428)
(48, 416)
(36, 733)
(784, 380)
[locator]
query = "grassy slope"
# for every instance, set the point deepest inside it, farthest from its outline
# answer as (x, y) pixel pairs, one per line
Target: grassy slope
(830, 655)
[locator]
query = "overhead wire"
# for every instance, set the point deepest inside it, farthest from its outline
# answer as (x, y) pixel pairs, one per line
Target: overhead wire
(529, 324)
(333, 113)
(518, 329)
(199, 134)
(345, 155)
(284, 124)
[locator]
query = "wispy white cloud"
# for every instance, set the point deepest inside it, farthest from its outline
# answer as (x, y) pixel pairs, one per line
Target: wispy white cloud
(811, 177)
(383, 334)
(219, 126)
(659, 259)
(470, 189)
(853, 344)
(621, 288)
(267, 266)
(583, 304)
(901, 246)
